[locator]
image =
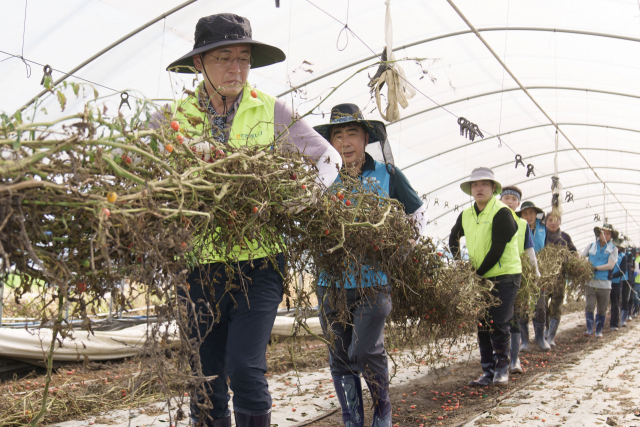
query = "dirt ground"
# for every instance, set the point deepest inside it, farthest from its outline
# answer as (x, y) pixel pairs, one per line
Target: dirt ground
(558, 387)
(444, 398)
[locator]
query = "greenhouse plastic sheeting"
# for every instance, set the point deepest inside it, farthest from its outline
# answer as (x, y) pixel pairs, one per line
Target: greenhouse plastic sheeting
(580, 61)
(103, 345)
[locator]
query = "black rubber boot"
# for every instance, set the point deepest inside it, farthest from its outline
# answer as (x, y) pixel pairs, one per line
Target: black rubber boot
(524, 336)
(349, 392)
(515, 366)
(538, 328)
(553, 330)
(501, 357)
(487, 363)
(221, 422)
(244, 420)
(379, 389)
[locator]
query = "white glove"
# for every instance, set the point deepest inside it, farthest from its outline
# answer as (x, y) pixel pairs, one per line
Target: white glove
(329, 165)
(533, 260)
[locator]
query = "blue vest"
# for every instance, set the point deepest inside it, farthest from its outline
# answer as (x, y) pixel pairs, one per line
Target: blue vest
(539, 236)
(600, 258)
(617, 268)
(377, 181)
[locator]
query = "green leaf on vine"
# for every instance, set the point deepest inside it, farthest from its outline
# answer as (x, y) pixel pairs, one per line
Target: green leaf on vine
(61, 99)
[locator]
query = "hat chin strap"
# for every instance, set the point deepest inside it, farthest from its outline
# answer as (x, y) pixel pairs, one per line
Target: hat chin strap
(224, 98)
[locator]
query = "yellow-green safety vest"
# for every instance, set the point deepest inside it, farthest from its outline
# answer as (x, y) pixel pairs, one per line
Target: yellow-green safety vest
(638, 276)
(252, 124)
(477, 232)
(522, 232)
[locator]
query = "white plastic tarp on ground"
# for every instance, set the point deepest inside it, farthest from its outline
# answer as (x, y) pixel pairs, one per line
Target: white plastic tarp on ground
(33, 344)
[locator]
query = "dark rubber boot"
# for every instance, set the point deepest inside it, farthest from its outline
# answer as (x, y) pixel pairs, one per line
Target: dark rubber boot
(501, 357)
(538, 328)
(590, 324)
(524, 336)
(221, 422)
(488, 366)
(379, 388)
(349, 392)
(599, 325)
(515, 367)
(553, 330)
(623, 318)
(244, 420)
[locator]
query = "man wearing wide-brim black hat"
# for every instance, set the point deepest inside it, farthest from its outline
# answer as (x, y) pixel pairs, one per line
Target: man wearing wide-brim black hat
(235, 328)
(602, 254)
(360, 342)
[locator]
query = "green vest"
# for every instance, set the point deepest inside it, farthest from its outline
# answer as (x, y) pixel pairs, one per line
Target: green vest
(638, 276)
(477, 232)
(252, 124)
(522, 232)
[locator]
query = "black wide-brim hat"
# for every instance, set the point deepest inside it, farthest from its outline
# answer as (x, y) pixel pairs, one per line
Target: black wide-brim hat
(529, 205)
(225, 29)
(345, 113)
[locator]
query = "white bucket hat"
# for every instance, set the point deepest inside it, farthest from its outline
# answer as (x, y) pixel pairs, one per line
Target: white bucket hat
(481, 174)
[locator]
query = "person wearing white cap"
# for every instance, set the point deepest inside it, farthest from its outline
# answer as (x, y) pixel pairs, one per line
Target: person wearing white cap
(490, 229)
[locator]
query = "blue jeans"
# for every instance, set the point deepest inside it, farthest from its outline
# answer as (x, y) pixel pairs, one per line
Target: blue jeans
(241, 326)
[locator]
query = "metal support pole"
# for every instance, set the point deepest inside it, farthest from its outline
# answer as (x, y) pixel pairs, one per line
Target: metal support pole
(120, 307)
(604, 205)
(108, 48)
(110, 304)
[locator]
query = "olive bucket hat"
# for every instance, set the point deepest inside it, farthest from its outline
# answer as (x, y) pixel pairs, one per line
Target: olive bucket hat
(345, 113)
(614, 233)
(226, 29)
(481, 174)
(377, 131)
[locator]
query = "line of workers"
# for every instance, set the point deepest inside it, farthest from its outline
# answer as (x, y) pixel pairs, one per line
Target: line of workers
(232, 338)
(496, 233)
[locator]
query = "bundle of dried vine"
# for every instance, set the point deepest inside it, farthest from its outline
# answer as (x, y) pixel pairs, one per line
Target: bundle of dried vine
(530, 287)
(559, 266)
(443, 305)
(88, 200)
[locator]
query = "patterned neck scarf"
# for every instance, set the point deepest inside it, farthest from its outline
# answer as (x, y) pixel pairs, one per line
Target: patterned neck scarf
(219, 121)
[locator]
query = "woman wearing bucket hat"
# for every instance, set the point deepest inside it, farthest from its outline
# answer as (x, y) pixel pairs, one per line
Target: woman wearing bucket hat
(233, 340)
(490, 229)
(555, 296)
(534, 217)
(358, 345)
(618, 276)
(511, 196)
(603, 256)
